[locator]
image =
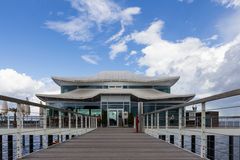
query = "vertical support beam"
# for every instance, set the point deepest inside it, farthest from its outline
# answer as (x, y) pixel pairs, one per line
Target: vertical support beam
(158, 120)
(1, 156)
(60, 125)
(230, 148)
(44, 138)
(180, 127)
(10, 147)
(203, 133)
(19, 131)
(30, 143)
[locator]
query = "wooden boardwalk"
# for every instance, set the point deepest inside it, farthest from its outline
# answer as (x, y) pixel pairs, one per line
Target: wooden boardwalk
(113, 144)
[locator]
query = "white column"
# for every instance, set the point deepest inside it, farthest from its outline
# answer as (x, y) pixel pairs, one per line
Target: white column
(180, 127)
(60, 124)
(152, 121)
(19, 131)
(157, 120)
(44, 137)
(203, 134)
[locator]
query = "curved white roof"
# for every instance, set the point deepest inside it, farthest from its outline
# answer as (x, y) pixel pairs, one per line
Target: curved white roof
(81, 94)
(117, 76)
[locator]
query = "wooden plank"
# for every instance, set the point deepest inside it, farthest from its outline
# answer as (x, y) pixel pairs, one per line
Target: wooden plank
(114, 143)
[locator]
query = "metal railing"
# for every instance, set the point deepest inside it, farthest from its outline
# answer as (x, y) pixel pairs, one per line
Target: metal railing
(207, 130)
(27, 126)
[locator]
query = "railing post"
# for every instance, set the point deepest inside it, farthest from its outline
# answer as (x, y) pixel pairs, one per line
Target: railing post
(152, 121)
(60, 125)
(147, 121)
(89, 122)
(166, 126)
(180, 127)
(44, 139)
(85, 119)
(96, 122)
(166, 119)
(203, 134)
(158, 120)
(184, 118)
(69, 124)
(81, 121)
(19, 131)
(76, 121)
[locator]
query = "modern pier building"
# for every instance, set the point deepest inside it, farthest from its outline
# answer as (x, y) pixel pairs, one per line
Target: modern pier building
(114, 95)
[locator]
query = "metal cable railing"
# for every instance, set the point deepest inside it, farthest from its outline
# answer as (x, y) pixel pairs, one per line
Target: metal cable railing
(209, 129)
(26, 127)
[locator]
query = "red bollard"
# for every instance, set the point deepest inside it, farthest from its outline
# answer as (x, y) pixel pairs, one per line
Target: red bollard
(137, 121)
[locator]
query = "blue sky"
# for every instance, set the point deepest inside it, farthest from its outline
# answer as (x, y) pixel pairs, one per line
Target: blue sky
(190, 38)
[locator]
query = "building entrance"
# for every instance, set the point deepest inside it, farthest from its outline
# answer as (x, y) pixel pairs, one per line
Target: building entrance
(115, 117)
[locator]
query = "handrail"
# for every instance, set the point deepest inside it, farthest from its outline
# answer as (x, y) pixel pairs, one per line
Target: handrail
(223, 95)
(20, 101)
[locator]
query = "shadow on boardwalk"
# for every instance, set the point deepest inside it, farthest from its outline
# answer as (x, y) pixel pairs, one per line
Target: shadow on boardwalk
(114, 144)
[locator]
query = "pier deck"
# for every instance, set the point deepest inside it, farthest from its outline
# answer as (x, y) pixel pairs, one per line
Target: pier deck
(114, 144)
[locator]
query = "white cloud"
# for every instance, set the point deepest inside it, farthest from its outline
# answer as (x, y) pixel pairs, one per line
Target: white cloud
(21, 85)
(191, 58)
(229, 3)
(117, 48)
(91, 13)
(187, 1)
(76, 29)
(229, 26)
(93, 59)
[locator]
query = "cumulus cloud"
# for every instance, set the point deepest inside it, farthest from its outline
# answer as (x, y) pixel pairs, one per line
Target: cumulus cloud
(91, 13)
(229, 3)
(21, 85)
(93, 59)
(194, 60)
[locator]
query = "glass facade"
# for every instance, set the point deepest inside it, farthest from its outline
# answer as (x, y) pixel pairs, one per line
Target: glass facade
(65, 89)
